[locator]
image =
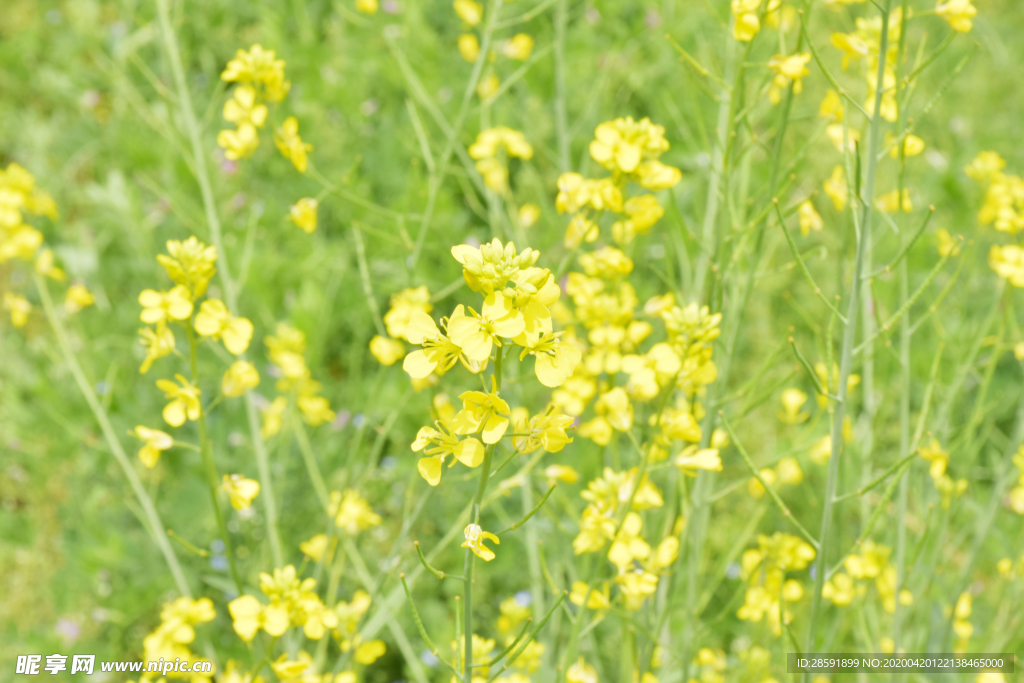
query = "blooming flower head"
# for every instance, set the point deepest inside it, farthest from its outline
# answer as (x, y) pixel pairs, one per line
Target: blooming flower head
(958, 13)
(354, 513)
(158, 307)
(273, 417)
(303, 214)
(403, 305)
(45, 266)
(469, 11)
(477, 333)
(387, 351)
(156, 442)
(19, 308)
(159, 342)
(184, 400)
(793, 401)
(214, 320)
(439, 352)
(549, 432)
(788, 70)
(621, 145)
(694, 458)
(489, 267)
(239, 143)
(243, 108)
(240, 490)
(260, 68)
(239, 378)
(746, 24)
(249, 616)
(475, 537)
(469, 47)
(77, 298)
(189, 263)
(483, 413)
(291, 145)
(440, 443)
(809, 218)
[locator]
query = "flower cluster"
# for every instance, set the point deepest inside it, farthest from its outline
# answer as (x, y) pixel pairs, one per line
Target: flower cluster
(865, 45)
(764, 569)
(630, 150)
(286, 348)
(260, 78)
(170, 640)
(517, 48)
(492, 149)
(872, 563)
(517, 297)
(747, 19)
(20, 196)
(610, 498)
(389, 349)
(938, 460)
(1003, 209)
(292, 602)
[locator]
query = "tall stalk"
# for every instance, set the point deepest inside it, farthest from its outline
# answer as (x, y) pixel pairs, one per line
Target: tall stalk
(209, 466)
(474, 516)
(202, 173)
(849, 338)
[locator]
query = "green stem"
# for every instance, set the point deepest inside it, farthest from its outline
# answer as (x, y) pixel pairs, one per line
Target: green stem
(209, 466)
(306, 448)
(99, 412)
(199, 164)
(849, 338)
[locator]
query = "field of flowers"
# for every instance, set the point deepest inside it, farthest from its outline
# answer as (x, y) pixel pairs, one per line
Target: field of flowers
(489, 340)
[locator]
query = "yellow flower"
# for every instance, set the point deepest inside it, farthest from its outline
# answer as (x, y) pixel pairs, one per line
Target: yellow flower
(788, 70)
(693, 458)
(561, 473)
(852, 46)
(240, 490)
(189, 263)
(809, 219)
(156, 443)
(239, 378)
(272, 417)
(642, 212)
(387, 351)
(470, 452)
(948, 245)
(403, 305)
(792, 401)
(483, 413)
(754, 486)
(789, 472)
(370, 651)
(836, 188)
(547, 432)
(45, 266)
(354, 513)
(746, 24)
(469, 11)
(475, 537)
(594, 598)
(315, 547)
(214, 320)
(303, 214)
(637, 586)
(487, 86)
(614, 405)
(469, 47)
(628, 544)
(912, 145)
(439, 353)
(839, 590)
(239, 143)
(518, 47)
(555, 360)
(184, 400)
(291, 145)
(985, 167)
(958, 13)
(158, 307)
(529, 214)
(261, 68)
(243, 109)
(938, 458)
(316, 410)
(477, 333)
(158, 343)
(1007, 261)
(621, 145)
(19, 308)
(249, 616)
(366, 6)
(77, 298)
(581, 672)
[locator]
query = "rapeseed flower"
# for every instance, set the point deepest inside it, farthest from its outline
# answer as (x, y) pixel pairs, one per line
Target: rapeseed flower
(354, 513)
(156, 442)
(215, 321)
(475, 537)
(469, 451)
(241, 491)
(19, 308)
(291, 146)
(239, 378)
(303, 214)
(184, 400)
(160, 307)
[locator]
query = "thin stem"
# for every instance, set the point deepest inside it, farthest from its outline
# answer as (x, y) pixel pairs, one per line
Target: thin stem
(306, 448)
(157, 528)
(201, 170)
(849, 338)
(561, 125)
(209, 466)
